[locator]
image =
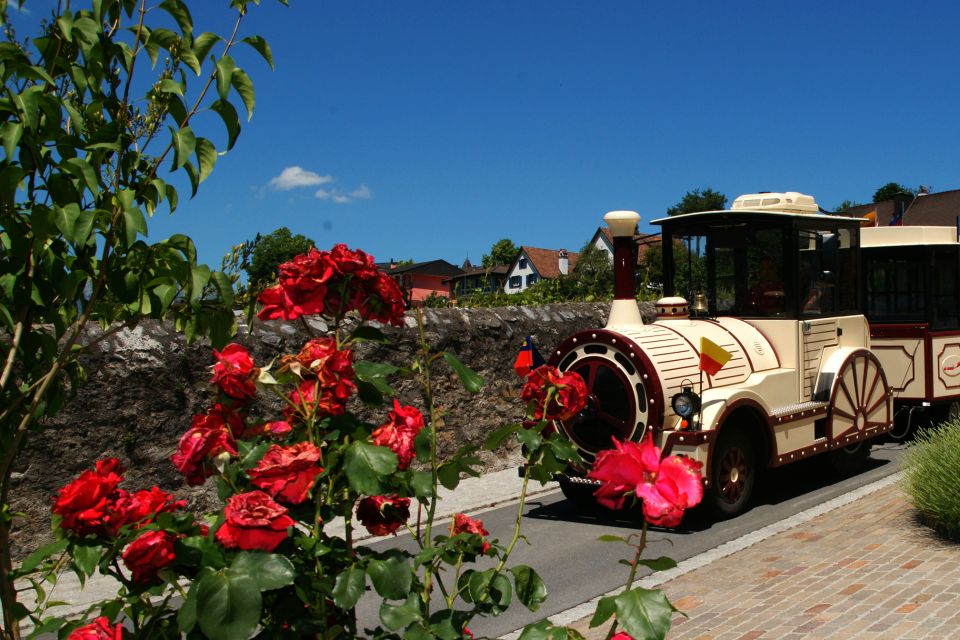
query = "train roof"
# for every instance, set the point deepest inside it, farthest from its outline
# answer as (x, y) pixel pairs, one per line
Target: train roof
(702, 216)
(907, 236)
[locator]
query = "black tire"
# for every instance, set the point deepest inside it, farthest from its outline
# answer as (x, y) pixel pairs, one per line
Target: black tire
(579, 494)
(733, 475)
(903, 427)
(850, 460)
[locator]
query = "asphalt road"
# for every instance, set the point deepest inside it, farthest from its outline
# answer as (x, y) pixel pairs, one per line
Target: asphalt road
(577, 567)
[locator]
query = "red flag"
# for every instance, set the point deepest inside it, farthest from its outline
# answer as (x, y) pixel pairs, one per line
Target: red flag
(528, 359)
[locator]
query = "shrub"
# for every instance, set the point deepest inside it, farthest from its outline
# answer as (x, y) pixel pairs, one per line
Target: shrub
(932, 467)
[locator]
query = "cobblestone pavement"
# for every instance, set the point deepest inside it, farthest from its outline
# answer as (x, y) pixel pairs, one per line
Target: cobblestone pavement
(865, 570)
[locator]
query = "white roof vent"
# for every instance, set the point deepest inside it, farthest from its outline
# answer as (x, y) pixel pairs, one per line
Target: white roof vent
(789, 202)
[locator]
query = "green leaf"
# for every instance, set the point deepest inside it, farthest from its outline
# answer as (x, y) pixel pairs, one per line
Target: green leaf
(470, 380)
(228, 606)
(10, 133)
(75, 225)
(241, 82)
(258, 43)
(187, 615)
(349, 587)
(449, 475)
(365, 464)
(32, 561)
(82, 170)
(529, 438)
(396, 616)
(184, 143)
(605, 608)
(224, 286)
(375, 373)
(169, 85)
(203, 43)
(609, 537)
(225, 69)
(133, 223)
(391, 576)
(228, 113)
(495, 439)
(206, 157)
(366, 333)
(644, 613)
(531, 590)
(422, 484)
(663, 563)
(178, 9)
(268, 570)
(86, 558)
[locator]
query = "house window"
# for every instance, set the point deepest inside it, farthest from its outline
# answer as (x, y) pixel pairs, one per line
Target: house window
(515, 282)
(522, 264)
(532, 279)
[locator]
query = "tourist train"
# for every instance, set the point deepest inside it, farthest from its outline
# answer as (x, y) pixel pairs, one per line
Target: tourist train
(835, 334)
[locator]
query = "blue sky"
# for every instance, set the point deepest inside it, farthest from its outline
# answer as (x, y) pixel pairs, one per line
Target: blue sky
(431, 129)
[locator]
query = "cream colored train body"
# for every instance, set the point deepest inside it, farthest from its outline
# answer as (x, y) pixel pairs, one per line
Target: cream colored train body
(776, 285)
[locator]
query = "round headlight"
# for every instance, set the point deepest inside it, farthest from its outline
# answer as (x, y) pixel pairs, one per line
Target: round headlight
(685, 404)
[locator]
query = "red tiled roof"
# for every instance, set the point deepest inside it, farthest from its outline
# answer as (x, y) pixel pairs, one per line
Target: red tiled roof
(547, 261)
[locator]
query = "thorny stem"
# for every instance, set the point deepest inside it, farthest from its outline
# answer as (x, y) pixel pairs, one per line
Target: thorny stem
(633, 571)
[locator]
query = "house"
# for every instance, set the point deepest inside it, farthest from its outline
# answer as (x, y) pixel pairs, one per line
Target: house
(925, 209)
(420, 280)
(642, 241)
(477, 280)
(533, 264)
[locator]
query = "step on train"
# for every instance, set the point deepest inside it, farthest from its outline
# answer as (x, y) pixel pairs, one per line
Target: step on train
(836, 334)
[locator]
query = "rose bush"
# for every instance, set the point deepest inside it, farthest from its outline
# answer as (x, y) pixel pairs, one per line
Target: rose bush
(280, 559)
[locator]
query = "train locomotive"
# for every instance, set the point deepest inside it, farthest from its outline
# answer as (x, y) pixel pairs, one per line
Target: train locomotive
(777, 286)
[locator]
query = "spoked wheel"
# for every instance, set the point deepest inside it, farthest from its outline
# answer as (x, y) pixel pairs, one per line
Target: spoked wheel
(732, 476)
(611, 407)
(860, 403)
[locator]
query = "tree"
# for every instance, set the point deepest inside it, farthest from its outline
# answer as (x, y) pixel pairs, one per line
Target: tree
(890, 190)
(846, 205)
(502, 252)
(697, 200)
(270, 251)
(593, 273)
(85, 159)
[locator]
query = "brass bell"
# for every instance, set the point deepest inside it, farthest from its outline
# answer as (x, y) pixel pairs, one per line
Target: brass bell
(700, 303)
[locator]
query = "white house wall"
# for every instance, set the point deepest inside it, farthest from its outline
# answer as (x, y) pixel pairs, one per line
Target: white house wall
(517, 271)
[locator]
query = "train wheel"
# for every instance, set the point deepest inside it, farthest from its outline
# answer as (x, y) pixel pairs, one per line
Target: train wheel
(733, 475)
(860, 400)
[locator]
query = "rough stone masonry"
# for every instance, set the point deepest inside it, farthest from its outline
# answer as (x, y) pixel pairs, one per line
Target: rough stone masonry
(144, 385)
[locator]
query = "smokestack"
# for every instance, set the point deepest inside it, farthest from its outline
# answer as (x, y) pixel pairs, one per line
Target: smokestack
(564, 262)
(624, 311)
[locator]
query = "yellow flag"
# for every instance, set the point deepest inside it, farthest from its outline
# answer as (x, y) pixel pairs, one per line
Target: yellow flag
(712, 356)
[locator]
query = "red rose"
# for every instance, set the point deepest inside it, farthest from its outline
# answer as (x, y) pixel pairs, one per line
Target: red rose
(383, 514)
(398, 433)
(667, 487)
(207, 438)
(379, 299)
(85, 503)
(467, 632)
(302, 288)
(622, 636)
(313, 400)
(234, 372)
(353, 262)
(253, 522)
(149, 553)
(140, 508)
(464, 524)
(99, 629)
(568, 399)
(287, 473)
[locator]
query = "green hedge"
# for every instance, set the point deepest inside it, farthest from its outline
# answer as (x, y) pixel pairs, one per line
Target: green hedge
(932, 467)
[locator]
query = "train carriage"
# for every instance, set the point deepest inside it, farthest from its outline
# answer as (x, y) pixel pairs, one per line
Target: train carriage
(774, 284)
(912, 301)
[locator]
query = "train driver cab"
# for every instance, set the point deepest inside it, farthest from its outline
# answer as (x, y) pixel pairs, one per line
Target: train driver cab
(769, 256)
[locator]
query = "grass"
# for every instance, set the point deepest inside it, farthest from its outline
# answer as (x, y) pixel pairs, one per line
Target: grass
(932, 468)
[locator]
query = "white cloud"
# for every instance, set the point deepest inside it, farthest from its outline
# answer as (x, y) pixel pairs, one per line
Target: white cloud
(294, 177)
(336, 196)
(362, 193)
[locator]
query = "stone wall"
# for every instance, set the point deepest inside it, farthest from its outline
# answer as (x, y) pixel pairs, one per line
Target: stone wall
(144, 386)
